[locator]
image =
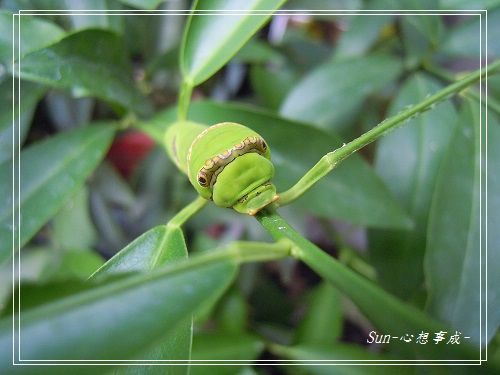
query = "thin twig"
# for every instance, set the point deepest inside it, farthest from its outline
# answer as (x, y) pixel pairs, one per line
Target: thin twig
(331, 160)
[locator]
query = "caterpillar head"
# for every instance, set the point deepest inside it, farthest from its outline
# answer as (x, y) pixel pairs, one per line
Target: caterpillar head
(230, 164)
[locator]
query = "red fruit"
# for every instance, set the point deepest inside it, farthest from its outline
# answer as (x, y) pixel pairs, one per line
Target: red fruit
(128, 149)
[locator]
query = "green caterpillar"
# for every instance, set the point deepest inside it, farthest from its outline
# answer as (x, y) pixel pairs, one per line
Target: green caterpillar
(227, 163)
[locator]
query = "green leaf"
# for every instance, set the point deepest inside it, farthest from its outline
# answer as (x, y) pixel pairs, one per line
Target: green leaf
(50, 172)
(30, 95)
(175, 346)
(143, 4)
(46, 290)
(207, 311)
(232, 314)
(493, 221)
(210, 41)
(112, 186)
(324, 4)
(430, 26)
(272, 84)
(421, 34)
(362, 31)
(224, 347)
(166, 61)
(74, 214)
(90, 63)
(408, 160)
(322, 324)
(97, 323)
(468, 4)
(36, 33)
(336, 352)
(453, 257)
(353, 192)
(35, 263)
(42, 265)
(154, 248)
(332, 94)
(303, 50)
(157, 246)
(494, 87)
(77, 264)
(147, 35)
(259, 52)
(85, 20)
(110, 233)
(175, 247)
(463, 39)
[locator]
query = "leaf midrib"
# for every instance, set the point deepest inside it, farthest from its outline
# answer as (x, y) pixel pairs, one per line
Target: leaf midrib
(122, 286)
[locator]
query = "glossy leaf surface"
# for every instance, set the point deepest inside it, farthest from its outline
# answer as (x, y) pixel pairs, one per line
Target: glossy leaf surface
(50, 172)
(35, 33)
(333, 93)
(454, 254)
(408, 160)
(19, 124)
(147, 304)
(210, 41)
(90, 63)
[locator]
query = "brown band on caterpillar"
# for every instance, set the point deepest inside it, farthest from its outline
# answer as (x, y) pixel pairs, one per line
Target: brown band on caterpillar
(213, 166)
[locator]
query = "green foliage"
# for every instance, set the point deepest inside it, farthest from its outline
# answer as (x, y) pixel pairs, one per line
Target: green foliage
(160, 302)
(314, 354)
(120, 260)
(74, 214)
(493, 219)
(459, 179)
(169, 246)
(461, 41)
(98, 54)
(36, 33)
(210, 41)
(355, 78)
(144, 252)
(420, 146)
(224, 347)
(142, 4)
(322, 323)
(52, 170)
(31, 93)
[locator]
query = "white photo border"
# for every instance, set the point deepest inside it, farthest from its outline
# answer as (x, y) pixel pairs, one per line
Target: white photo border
(16, 182)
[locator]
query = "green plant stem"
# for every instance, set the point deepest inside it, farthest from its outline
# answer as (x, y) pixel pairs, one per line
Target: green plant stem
(386, 312)
(184, 100)
(446, 76)
(351, 258)
(348, 256)
(328, 162)
(246, 251)
(185, 214)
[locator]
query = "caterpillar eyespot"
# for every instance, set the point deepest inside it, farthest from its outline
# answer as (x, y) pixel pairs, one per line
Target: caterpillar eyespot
(228, 163)
(202, 180)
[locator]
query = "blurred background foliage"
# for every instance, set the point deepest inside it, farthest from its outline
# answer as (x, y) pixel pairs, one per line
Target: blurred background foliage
(98, 90)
